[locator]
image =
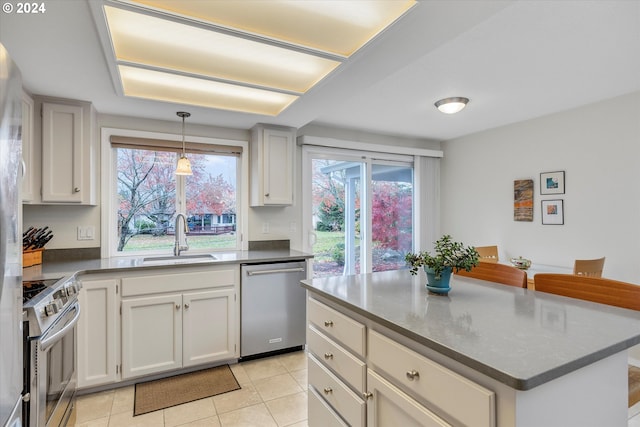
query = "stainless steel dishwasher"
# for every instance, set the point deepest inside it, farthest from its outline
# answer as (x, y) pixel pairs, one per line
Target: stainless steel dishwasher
(273, 308)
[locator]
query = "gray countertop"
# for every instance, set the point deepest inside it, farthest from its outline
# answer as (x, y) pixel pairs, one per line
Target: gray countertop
(519, 337)
(59, 269)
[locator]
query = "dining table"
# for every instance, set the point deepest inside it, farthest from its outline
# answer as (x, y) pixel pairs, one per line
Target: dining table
(542, 268)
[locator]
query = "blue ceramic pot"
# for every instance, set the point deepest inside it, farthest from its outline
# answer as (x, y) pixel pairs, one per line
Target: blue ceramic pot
(438, 285)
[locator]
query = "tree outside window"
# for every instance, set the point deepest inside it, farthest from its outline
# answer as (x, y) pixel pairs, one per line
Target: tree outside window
(148, 195)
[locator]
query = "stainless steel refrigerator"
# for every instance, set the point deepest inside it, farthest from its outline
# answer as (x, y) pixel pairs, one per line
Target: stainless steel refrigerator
(11, 362)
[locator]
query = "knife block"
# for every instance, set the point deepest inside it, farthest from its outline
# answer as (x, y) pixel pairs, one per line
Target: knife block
(32, 257)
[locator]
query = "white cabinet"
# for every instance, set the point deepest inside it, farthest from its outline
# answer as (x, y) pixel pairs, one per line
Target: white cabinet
(63, 158)
(388, 406)
(208, 326)
(271, 158)
(29, 179)
(337, 371)
(430, 382)
(98, 332)
(366, 378)
(171, 321)
(151, 334)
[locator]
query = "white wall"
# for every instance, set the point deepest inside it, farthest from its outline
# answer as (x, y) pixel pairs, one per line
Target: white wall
(598, 147)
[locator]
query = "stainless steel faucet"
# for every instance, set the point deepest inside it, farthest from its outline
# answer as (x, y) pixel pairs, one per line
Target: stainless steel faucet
(177, 248)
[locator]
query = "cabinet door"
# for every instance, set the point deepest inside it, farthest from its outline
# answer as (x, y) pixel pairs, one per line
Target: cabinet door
(62, 133)
(151, 334)
(208, 326)
(97, 333)
(271, 158)
(29, 187)
(388, 406)
(278, 167)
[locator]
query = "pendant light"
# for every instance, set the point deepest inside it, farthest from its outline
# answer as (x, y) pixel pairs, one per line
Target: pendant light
(451, 105)
(184, 165)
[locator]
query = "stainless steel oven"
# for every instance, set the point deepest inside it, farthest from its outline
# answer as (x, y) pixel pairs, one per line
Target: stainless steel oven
(51, 348)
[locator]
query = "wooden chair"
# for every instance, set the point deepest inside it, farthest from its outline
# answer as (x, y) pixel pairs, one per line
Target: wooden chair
(588, 267)
(499, 273)
(488, 253)
(600, 290)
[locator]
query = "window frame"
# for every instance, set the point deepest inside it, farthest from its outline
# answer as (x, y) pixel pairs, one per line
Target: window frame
(109, 191)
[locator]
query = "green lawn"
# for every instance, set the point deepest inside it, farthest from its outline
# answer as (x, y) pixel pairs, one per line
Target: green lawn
(146, 242)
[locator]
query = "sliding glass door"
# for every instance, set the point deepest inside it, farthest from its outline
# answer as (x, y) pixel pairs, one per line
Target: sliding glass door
(391, 214)
(358, 211)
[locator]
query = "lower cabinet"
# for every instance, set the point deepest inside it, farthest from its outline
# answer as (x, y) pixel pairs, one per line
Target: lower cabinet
(385, 383)
(164, 332)
(156, 320)
(98, 332)
(389, 406)
(151, 334)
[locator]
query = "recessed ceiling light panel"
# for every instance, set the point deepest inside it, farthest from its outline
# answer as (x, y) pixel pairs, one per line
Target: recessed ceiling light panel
(339, 27)
(255, 57)
(160, 43)
(143, 83)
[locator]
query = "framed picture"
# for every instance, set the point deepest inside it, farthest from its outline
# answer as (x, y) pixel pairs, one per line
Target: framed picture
(552, 182)
(523, 200)
(553, 212)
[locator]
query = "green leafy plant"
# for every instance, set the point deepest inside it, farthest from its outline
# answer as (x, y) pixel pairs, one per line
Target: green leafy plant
(447, 253)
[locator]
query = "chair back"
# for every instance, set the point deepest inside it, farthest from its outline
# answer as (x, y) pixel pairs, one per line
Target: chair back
(603, 291)
(588, 267)
(594, 289)
(488, 253)
(498, 273)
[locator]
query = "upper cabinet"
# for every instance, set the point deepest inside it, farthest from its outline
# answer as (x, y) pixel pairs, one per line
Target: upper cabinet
(64, 153)
(271, 154)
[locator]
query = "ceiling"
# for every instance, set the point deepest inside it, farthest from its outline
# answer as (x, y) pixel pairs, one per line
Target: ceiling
(515, 60)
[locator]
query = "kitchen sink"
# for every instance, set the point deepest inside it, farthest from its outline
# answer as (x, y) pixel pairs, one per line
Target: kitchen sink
(180, 259)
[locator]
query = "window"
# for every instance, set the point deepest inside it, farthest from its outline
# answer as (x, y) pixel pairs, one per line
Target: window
(146, 196)
(362, 211)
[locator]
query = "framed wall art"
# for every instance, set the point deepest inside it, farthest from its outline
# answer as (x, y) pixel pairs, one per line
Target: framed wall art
(553, 212)
(552, 182)
(523, 200)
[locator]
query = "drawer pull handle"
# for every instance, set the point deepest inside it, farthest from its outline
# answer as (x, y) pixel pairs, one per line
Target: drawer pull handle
(177, 306)
(328, 356)
(367, 395)
(412, 375)
(186, 306)
(76, 190)
(328, 323)
(328, 390)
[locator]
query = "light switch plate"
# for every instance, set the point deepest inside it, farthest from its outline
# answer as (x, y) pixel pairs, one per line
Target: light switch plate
(86, 232)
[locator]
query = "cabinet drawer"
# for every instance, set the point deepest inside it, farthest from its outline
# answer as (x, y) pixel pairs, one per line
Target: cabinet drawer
(320, 413)
(459, 398)
(335, 393)
(336, 325)
(343, 363)
(159, 282)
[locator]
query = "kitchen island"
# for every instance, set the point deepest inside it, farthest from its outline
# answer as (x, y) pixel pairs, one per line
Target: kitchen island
(489, 354)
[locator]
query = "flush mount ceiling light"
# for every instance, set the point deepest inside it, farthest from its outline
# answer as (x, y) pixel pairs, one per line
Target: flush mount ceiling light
(184, 165)
(452, 105)
(262, 55)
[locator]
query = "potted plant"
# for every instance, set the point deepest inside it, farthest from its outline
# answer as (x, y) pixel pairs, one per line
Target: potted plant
(448, 256)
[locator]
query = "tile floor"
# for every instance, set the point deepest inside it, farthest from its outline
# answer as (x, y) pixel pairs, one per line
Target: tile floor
(273, 394)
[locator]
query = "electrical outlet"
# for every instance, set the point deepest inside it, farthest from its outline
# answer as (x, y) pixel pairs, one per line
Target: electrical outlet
(265, 227)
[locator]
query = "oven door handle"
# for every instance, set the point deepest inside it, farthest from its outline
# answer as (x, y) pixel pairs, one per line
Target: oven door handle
(49, 341)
